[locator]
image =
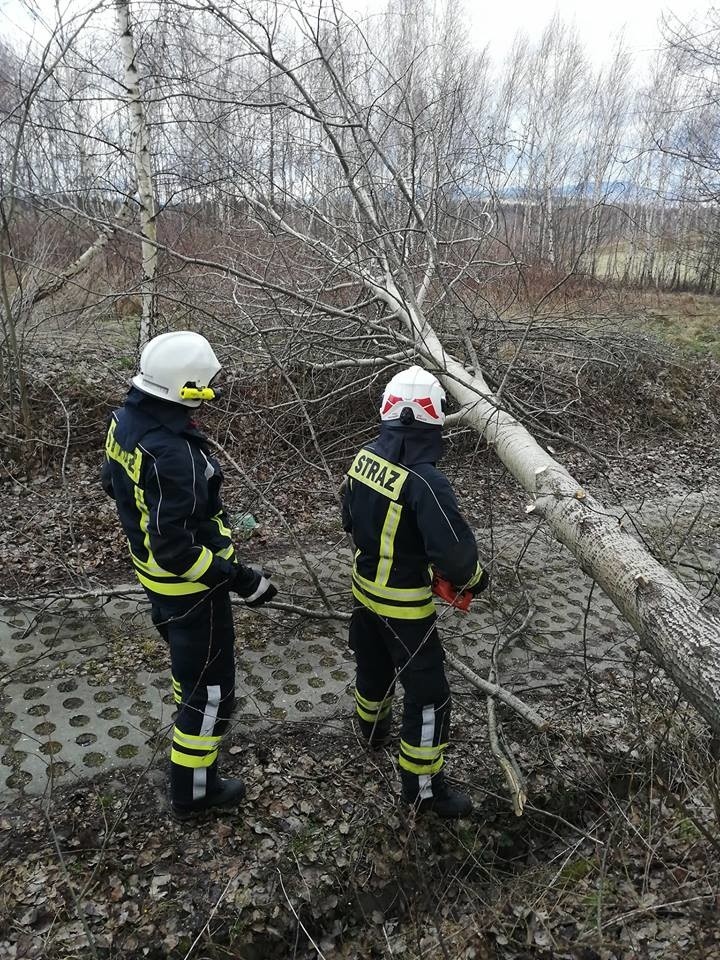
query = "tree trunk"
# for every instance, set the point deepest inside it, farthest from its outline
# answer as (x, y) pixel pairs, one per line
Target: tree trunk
(78, 266)
(550, 226)
(140, 142)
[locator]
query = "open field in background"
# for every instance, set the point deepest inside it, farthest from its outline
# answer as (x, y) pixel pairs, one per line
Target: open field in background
(624, 262)
(682, 318)
(688, 321)
(685, 320)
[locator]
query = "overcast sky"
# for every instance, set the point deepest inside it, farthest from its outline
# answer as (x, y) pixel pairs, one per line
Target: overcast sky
(599, 22)
(495, 22)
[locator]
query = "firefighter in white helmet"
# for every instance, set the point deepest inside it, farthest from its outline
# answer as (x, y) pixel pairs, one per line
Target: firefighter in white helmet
(160, 471)
(404, 519)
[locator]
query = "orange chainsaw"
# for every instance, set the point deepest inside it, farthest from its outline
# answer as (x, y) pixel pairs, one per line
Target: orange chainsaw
(446, 591)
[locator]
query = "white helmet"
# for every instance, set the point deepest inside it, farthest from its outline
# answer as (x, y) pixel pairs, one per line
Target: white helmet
(178, 367)
(417, 390)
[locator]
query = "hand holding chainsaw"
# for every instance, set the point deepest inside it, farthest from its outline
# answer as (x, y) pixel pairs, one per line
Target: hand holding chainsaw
(461, 599)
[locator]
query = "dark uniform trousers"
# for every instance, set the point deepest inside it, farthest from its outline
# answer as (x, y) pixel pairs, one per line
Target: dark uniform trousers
(201, 637)
(409, 651)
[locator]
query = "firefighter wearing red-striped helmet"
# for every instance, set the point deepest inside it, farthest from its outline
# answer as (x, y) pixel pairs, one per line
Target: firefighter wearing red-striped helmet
(404, 519)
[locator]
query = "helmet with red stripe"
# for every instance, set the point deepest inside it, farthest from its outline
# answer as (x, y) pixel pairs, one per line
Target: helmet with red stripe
(417, 391)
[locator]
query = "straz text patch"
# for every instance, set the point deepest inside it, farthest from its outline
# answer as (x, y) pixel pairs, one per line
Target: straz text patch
(378, 474)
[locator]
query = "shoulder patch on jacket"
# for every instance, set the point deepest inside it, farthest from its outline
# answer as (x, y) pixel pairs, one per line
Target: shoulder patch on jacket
(378, 474)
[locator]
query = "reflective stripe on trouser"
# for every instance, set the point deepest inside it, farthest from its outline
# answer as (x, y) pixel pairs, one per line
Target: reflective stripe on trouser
(372, 710)
(201, 639)
(423, 762)
(409, 651)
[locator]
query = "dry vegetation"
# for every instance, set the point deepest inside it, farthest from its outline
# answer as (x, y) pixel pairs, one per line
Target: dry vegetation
(615, 857)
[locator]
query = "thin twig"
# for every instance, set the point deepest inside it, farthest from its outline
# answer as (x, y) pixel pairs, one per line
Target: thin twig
(209, 919)
(76, 903)
(493, 690)
(137, 593)
(295, 914)
(653, 908)
(281, 517)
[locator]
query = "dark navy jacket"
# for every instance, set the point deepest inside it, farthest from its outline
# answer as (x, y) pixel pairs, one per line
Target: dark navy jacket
(403, 517)
(166, 485)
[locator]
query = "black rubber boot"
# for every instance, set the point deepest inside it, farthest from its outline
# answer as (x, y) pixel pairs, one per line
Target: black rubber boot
(445, 802)
(226, 793)
(377, 735)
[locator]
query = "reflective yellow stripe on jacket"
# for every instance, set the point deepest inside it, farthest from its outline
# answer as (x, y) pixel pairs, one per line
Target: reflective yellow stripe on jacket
(227, 552)
(387, 543)
(402, 603)
(154, 577)
(398, 611)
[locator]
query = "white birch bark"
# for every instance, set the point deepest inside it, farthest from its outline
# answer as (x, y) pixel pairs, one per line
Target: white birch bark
(140, 143)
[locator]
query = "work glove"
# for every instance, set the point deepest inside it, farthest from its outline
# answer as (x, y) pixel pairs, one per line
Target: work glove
(265, 591)
(253, 586)
(482, 584)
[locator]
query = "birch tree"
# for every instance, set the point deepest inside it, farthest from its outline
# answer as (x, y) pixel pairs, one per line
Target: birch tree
(23, 153)
(686, 137)
(607, 119)
(140, 146)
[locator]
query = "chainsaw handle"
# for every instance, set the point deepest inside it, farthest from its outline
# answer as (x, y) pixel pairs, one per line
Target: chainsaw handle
(446, 591)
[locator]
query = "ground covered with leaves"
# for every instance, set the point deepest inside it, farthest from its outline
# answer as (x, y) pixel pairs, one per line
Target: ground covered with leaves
(615, 856)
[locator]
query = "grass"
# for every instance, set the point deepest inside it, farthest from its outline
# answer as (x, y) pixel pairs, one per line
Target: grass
(690, 322)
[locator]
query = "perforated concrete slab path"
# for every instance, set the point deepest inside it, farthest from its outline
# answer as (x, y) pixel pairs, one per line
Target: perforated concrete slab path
(86, 689)
(68, 706)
